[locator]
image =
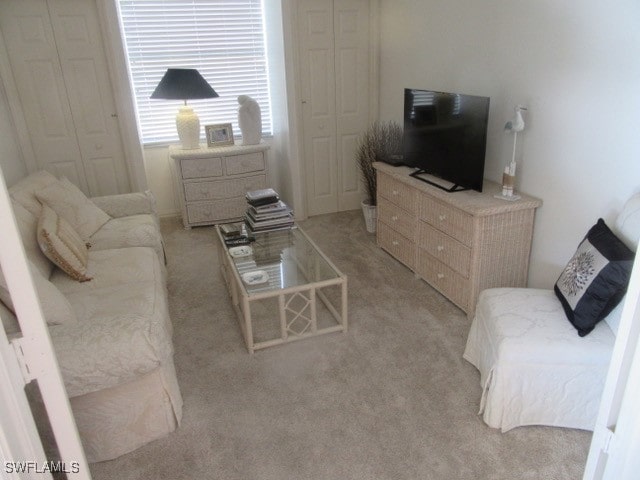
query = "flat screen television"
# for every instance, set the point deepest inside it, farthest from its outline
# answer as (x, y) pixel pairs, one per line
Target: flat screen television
(445, 136)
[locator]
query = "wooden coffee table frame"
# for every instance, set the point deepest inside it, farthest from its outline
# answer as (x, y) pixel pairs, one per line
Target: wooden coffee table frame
(309, 293)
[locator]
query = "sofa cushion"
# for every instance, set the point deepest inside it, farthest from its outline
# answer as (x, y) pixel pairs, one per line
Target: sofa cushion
(111, 268)
(55, 307)
(131, 231)
(595, 279)
(124, 329)
(62, 244)
(24, 192)
(70, 203)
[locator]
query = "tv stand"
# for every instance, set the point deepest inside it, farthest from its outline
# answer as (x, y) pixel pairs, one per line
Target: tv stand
(459, 244)
(454, 188)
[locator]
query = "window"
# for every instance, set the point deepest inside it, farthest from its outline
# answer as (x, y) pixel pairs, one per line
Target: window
(223, 39)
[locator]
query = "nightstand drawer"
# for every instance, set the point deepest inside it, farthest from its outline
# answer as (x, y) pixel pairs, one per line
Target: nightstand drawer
(201, 167)
(446, 280)
(443, 247)
(250, 162)
(235, 187)
(447, 219)
(398, 193)
(400, 247)
(398, 219)
(211, 212)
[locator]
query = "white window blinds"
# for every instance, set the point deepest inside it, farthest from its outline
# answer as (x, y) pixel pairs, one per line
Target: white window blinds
(223, 39)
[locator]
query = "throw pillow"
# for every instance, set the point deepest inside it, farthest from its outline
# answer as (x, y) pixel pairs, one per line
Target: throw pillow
(62, 244)
(595, 279)
(70, 203)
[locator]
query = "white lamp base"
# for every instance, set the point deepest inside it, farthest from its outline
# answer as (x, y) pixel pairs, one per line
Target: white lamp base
(188, 125)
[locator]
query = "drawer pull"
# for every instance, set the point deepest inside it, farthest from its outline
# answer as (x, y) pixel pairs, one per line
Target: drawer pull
(442, 218)
(395, 243)
(440, 276)
(394, 218)
(395, 192)
(440, 248)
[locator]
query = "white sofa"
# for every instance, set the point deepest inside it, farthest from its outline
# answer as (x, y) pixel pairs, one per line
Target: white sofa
(112, 334)
(534, 367)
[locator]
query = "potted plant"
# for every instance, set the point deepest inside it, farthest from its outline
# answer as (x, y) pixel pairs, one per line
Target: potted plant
(381, 141)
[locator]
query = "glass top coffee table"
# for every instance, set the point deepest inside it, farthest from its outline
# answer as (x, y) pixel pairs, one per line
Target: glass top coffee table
(275, 284)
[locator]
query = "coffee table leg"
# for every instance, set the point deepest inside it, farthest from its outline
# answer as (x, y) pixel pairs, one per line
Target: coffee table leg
(246, 313)
(344, 304)
(283, 317)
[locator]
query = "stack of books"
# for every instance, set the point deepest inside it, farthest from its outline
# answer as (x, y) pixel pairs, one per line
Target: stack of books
(266, 212)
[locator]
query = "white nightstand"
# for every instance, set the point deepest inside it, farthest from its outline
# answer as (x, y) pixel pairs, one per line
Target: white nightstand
(210, 182)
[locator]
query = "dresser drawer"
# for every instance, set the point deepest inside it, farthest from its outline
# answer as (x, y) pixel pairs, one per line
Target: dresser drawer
(446, 280)
(216, 210)
(250, 162)
(234, 187)
(450, 220)
(398, 193)
(398, 219)
(201, 167)
(443, 247)
(400, 247)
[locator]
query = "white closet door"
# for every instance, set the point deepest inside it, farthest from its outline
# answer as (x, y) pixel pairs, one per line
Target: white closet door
(351, 33)
(334, 79)
(317, 74)
(57, 59)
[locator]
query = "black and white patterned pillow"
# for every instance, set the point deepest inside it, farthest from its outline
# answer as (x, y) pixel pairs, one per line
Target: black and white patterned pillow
(595, 279)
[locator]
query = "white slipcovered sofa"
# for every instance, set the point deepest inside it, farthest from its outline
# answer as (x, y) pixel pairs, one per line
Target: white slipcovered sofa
(534, 367)
(112, 334)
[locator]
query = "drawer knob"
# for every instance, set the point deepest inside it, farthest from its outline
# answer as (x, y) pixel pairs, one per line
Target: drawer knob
(442, 218)
(440, 248)
(394, 218)
(440, 276)
(395, 243)
(395, 192)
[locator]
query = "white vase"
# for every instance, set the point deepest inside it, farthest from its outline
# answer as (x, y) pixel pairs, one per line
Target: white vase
(370, 213)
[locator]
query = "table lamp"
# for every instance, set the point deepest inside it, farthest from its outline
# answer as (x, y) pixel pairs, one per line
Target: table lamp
(185, 84)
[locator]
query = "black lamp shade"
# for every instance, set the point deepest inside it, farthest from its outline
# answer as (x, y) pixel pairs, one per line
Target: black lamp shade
(183, 84)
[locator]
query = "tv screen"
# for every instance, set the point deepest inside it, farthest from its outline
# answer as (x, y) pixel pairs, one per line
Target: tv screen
(445, 135)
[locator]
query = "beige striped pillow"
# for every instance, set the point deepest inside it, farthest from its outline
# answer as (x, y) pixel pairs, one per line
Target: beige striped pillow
(62, 244)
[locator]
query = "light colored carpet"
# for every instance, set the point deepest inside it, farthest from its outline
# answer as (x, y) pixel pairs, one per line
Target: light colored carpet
(390, 399)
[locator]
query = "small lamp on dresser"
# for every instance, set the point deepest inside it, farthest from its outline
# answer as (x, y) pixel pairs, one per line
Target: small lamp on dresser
(185, 84)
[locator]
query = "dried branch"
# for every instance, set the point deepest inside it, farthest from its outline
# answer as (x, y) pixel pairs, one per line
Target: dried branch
(377, 144)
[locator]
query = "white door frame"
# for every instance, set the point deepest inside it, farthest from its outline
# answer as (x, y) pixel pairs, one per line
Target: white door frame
(616, 437)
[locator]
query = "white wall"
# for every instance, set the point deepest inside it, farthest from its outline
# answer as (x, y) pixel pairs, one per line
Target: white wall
(573, 63)
(11, 160)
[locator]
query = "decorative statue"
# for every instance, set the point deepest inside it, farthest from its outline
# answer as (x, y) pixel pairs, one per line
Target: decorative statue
(250, 120)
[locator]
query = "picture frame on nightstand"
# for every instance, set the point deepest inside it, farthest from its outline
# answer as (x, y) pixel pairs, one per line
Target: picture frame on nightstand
(219, 135)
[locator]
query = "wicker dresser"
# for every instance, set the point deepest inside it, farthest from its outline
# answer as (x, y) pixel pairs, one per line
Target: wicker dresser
(210, 183)
(461, 242)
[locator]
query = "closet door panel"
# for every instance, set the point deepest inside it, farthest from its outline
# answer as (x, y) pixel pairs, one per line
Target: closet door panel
(351, 20)
(57, 59)
(84, 66)
(350, 183)
(317, 72)
(335, 83)
(30, 42)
